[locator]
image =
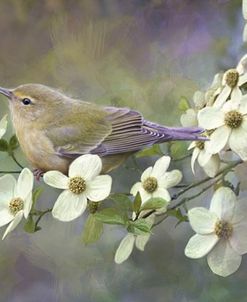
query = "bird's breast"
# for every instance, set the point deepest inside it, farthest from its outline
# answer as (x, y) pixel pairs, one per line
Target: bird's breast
(39, 151)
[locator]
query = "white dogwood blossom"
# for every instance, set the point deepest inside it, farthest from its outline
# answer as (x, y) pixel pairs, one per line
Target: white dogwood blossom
(83, 183)
(156, 180)
(221, 232)
(15, 199)
(209, 162)
(229, 124)
(232, 80)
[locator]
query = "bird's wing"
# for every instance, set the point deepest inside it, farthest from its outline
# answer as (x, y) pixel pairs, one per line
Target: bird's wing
(121, 130)
(79, 130)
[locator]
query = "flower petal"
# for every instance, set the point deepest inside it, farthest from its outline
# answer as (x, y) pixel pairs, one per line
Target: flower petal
(24, 184)
(125, 248)
(7, 188)
(170, 179)
(222, 97)
(99, 188)
(192, 145)
(199, 245)
(136, 188)
(189, 118)
(218, 139)
(238, 240)
(243, 105)
(161, 166)
(56, 179)
(204, 157)
(144, 195)
(28, 204)
(162, 193)
(240, 211)
(69, 206)
(3, 125)
(236, 95)
(212, 166)
(202, 220)
(223, 203)
(223, 260)
(5, 217)
(195, 154)
(238, 142)
(141, 241)
(13, 224)
(88, 166)
(242, 80)
(146, 173)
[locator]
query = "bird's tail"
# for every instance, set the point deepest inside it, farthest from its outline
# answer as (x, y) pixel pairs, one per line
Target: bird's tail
(178, 133)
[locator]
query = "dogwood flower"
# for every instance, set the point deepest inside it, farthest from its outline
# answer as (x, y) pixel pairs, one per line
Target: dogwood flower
(209, 162)
(221, 232)
(232, 80)
(15, 199)
(127, 244)
(83, 182)
(3, 126)
(155, 181)
(229, 124)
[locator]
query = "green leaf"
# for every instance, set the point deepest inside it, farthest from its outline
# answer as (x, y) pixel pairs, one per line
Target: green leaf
(183, 105)
(4, 147)
(178, 149)
(29, 226)
(13, 143)
(93, 229)
(139, 227)
(152, 151)
(122, 201)
(178, 214)
(154, 203)
(137, 203)
(111, 216)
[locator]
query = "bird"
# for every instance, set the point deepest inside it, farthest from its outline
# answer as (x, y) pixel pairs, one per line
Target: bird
(53, 129)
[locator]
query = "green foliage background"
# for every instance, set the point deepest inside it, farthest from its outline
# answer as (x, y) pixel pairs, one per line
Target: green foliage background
(141, 54)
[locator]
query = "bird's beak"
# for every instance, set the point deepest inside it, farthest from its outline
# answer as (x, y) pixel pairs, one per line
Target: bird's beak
(6, 92)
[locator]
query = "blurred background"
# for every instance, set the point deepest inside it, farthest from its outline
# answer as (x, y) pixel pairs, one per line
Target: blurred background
(137, 53)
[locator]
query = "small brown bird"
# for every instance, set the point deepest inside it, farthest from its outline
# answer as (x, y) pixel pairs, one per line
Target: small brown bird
(54, 129)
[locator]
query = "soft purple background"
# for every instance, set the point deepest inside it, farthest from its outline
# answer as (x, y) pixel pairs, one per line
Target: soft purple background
(142, 54)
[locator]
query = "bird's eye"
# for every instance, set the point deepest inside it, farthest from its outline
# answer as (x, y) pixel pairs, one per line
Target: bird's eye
(26, 101)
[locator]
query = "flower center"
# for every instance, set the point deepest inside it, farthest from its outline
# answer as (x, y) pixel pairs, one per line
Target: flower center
(233, 119)
(200, 145)
(77, 185)
(223, 229)
(16, 205)
(232, 77)
(150, 184)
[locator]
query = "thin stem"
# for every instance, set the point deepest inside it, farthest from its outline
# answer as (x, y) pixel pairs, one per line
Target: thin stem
(15, 160)
(41, 214)
(198, 183)
(182, 201)
(11, 172)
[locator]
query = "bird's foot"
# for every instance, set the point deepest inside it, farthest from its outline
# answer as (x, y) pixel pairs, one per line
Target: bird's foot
(38, 173)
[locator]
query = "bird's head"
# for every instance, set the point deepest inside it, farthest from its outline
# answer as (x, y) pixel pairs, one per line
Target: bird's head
(33, 101)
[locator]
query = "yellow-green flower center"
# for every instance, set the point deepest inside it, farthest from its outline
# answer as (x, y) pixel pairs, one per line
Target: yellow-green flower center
(232, 77)
(77, 185)
(16, 205)
(200, 145)
(233, 119)
(150, 184)
(223, 229)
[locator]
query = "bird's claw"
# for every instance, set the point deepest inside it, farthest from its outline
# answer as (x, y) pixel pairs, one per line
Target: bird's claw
(37, 174)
